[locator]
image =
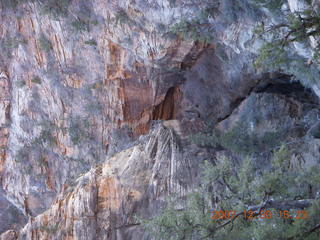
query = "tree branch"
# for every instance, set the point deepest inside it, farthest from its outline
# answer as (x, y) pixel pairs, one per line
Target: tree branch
(287, 204)
(306, 234)
(128, 225)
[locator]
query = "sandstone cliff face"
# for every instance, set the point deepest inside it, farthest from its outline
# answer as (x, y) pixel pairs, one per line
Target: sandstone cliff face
(71, 104)
(101, 203)
(82, 95)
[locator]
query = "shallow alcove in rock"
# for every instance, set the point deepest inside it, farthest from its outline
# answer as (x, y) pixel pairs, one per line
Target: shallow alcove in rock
(283, 85)
(276, 112)
(167, 109)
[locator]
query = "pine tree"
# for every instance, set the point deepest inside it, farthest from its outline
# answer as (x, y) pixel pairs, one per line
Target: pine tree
(278, 51)
(277, 202)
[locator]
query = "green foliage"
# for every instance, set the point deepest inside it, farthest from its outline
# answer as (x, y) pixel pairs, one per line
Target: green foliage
(8, 44)
(80, 25)
(280, 160)
(84, 24)
(13, 4)
(273, 182)
(192, 30)
(95, 22)
(172, 3)
(91, 42)
(45, 136)
(197, 27)
(272, 56)
(229, 186)
(55, 8)
(205, 139)
(78, 130)
(239, 140)
(9, 3)
(121, 17)
(174, 224)
(50, 229)
(36, 79)
(45, 43)
(93, 107)
(278, 50)
(272, 5)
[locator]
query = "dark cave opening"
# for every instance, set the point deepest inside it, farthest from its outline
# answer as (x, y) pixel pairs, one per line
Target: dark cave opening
(167, 109)
(283, 85)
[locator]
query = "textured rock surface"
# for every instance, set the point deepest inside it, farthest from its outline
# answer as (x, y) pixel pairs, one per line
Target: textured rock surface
(82, 95)
(10, 216)
(72, 104)
(101, 203)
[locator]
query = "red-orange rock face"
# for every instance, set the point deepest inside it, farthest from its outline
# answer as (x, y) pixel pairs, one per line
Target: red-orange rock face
(97, 100)
(80, 82)
(66, 92)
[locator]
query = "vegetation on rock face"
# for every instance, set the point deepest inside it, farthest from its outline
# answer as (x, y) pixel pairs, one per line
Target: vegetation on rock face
(45, 43)
(278, 51)
(36, 79)
(198, 26)
(193, 30)
(9, 43)
(267, 195)
(239, 140)
(226, 185)
(55, 8)
(52, 229)
(80, 25)
(13, 4)
(79, 130)
(121, 17)
(273, 5)
(91, 42)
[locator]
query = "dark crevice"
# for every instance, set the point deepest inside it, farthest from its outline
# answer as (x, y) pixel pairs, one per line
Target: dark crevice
(289, 89)
(167, 109)
(236, 103)
(194, 54)
(282, 85)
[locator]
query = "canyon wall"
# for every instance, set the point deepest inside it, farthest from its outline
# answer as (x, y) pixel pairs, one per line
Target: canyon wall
(98, 99)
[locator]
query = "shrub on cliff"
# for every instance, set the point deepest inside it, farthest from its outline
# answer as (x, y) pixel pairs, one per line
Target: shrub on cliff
(193, 30)
(242, 201)
(121, 17)
(239, 140)
(273, 5)
(13, 4)
(80, 26)
(281, 39)
(9, 43)
(198, 26)
(55, 8)
(45, 43)
(79, 130)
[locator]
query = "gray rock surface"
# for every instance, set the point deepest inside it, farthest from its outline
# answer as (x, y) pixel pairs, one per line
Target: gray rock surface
(96, 106)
